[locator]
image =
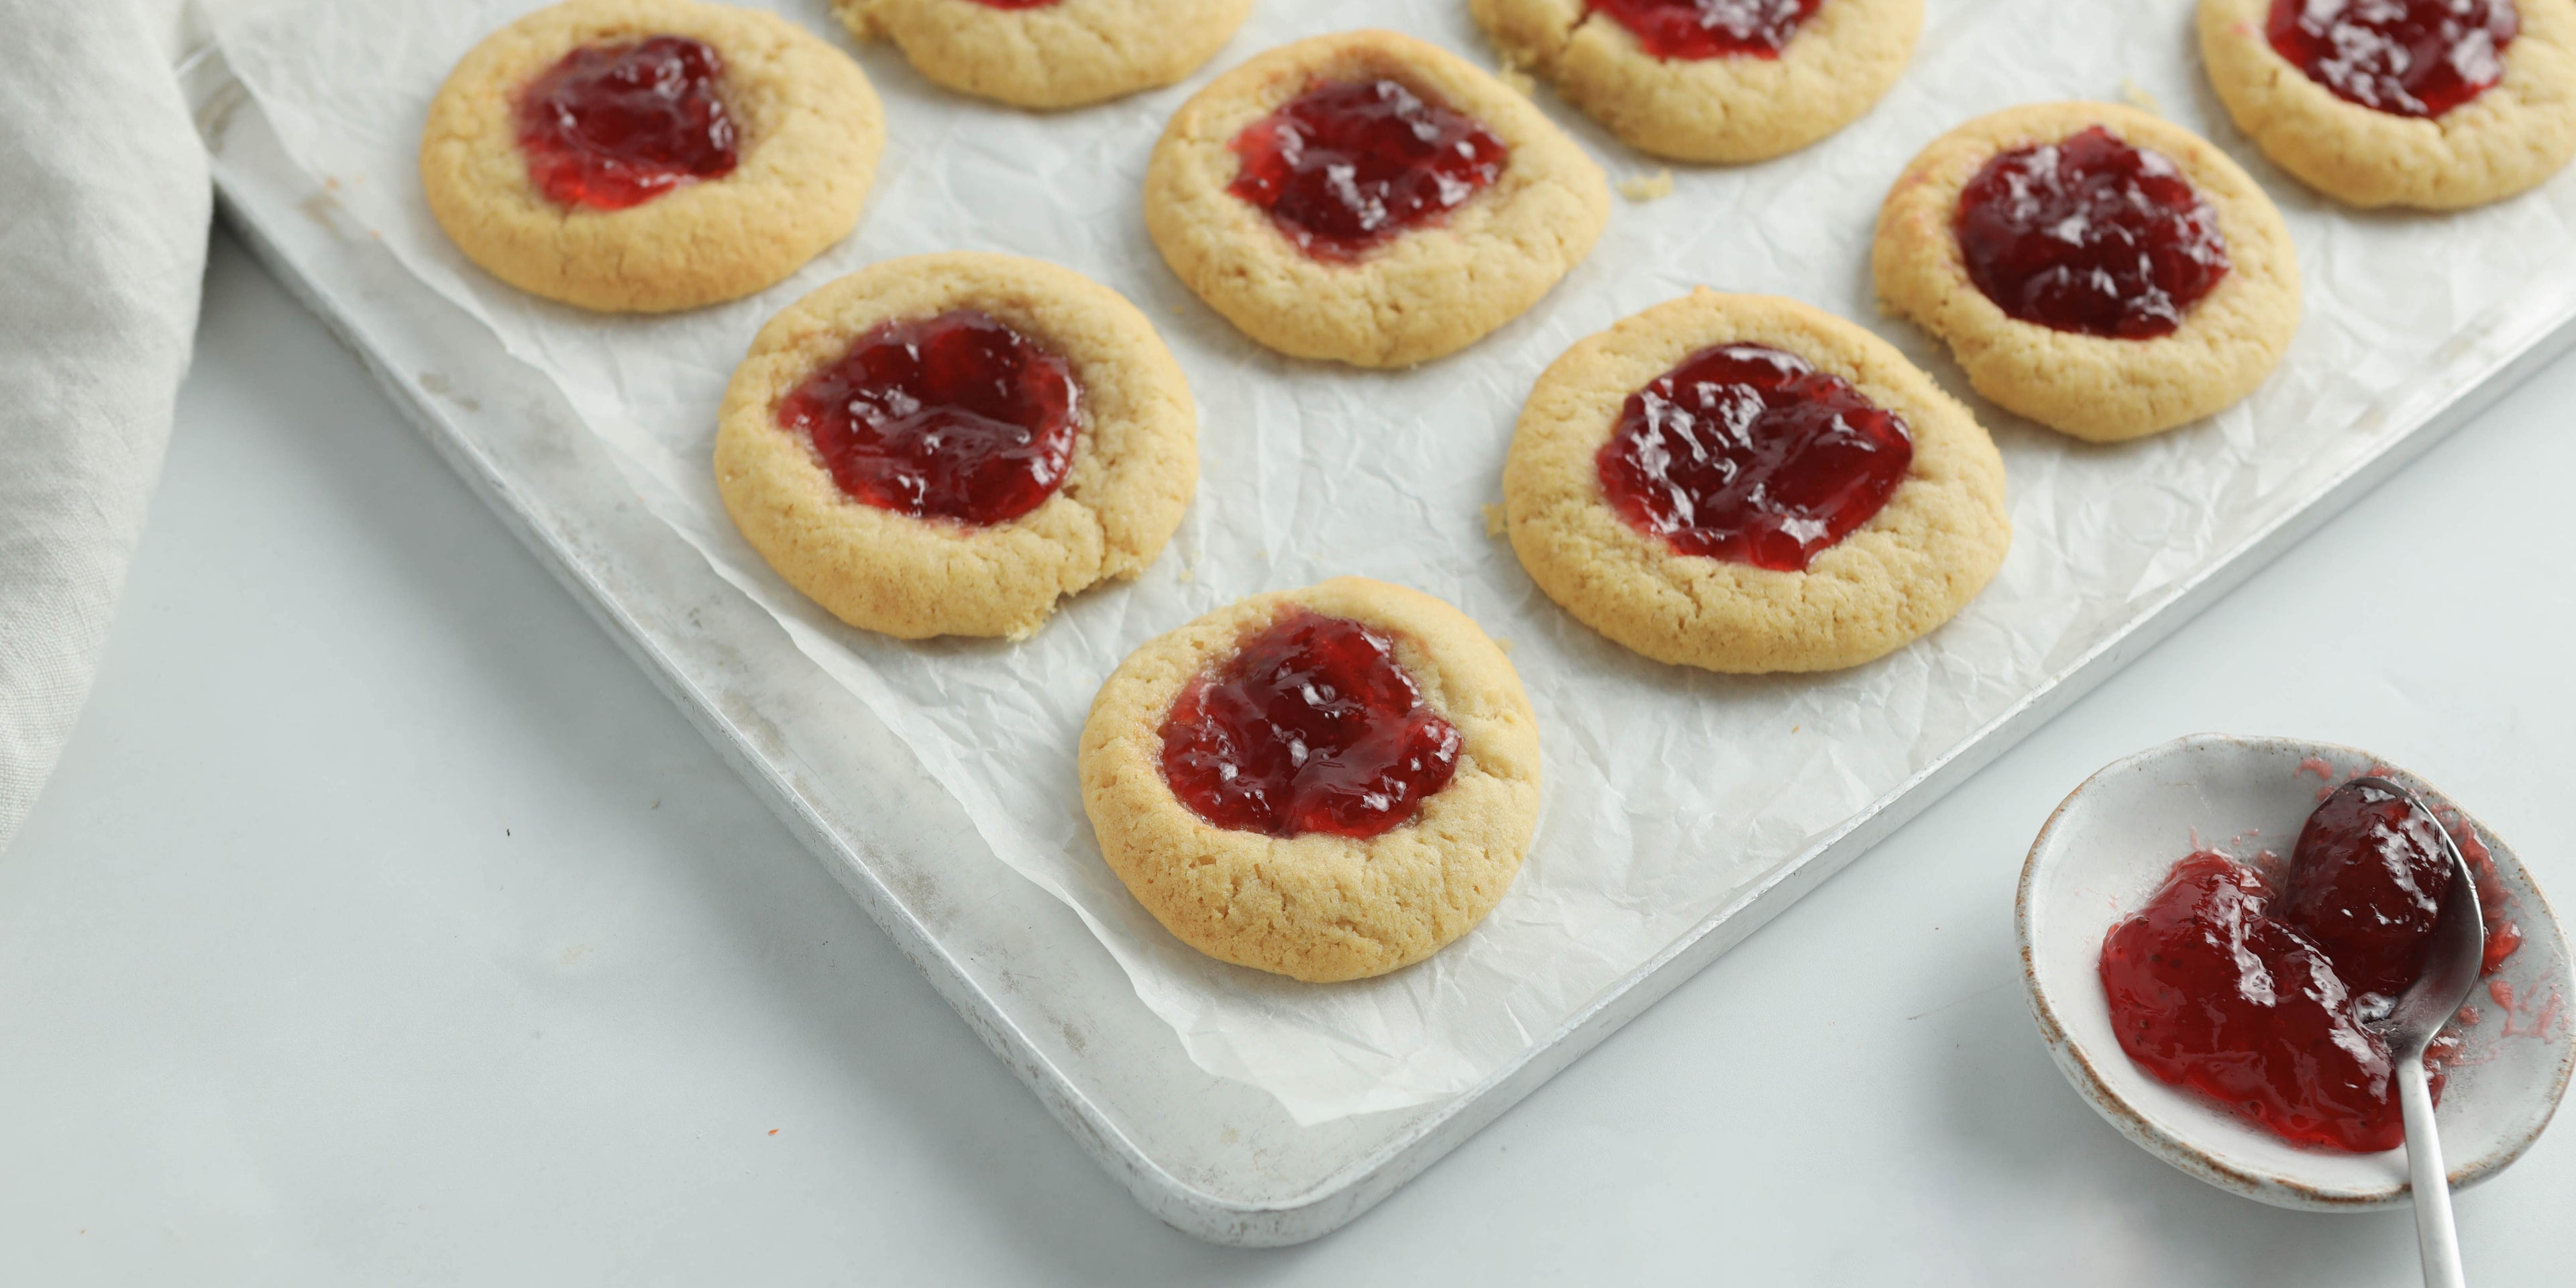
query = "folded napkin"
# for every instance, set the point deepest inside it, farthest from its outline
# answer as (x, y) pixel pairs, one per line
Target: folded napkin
(104, 206)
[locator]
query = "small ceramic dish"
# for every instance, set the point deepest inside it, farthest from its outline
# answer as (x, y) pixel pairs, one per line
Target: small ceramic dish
(2108, 848)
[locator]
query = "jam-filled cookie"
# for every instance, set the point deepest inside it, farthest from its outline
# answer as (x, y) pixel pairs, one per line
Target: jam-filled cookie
(1050, 53)
(1369, 198)
(2435, 104)
(2092, 267)
(649, 155)
(1328, 783)
(1711, 80)
(949, 444)
(1747, 484)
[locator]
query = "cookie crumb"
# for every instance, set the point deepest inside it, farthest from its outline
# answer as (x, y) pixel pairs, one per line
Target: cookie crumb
(1648, 187)
(2136, 95)
(1503, 644)
(1185, 576)
(1522, 82)
(1494, 519)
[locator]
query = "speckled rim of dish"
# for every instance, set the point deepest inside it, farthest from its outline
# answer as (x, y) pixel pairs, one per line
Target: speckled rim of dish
(2149, 1129)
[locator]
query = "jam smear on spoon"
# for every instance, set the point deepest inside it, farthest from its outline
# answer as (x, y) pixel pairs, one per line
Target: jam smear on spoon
(613, 126)
(2090, 235)
(1749, 454)
(1311, 726)
(2366, 882)
(956, 416)
(1348, 165)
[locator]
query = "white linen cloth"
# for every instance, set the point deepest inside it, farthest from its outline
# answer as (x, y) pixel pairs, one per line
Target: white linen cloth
(104, 204)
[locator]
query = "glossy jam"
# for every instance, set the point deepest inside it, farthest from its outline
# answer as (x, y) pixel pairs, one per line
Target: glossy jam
(1348, 165)
(2209, 991)
(2255, 993)
(2366, 882)
(1311, 726)
(2404, 57)
(613, 126)
(955, 416)
(1749, 454)
(2090, 235)
(1693, 29)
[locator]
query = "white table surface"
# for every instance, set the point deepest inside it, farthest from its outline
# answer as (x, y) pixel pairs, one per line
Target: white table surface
(383, 924)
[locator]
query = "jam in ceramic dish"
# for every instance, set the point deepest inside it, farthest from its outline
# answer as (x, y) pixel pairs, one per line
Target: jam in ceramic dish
(956, 416)
(2403, 57)
(1693, 29)
(1312, 726)
(1348, 165)
(2090, 235)
(613, 126)
(2255, 992)
(1749, 454)
(2209, 991)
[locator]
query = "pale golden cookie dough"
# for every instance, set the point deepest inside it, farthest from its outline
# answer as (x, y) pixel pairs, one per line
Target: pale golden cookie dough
(809, 126)
(1068, 54)
(1429, 292)
(1317, 907)
(1135, 456)
(1724, 109)
(1911, 567)
(2510, 138)
(2101, 388)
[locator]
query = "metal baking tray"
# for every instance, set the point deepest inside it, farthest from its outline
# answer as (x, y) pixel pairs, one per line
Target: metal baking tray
(1218, 1159)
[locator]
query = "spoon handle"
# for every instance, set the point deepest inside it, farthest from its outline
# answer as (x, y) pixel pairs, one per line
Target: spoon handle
(2435, 1237)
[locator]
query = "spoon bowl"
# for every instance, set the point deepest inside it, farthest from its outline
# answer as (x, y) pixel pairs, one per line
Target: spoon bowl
(2109, 846)
(2457, 946)
(2453, 953)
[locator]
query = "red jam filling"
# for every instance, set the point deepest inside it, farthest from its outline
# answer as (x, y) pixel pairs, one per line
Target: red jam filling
(1311, 726)
(1348, 165)
(2090, 235)
(1751, 455)
(2366, 882)
(956, 416)
(1693, 29)
(2256, 996)
(2403, 57)
(613, 126)
(2209, 991)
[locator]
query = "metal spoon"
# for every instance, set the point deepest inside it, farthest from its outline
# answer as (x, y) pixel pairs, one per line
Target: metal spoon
(2451, 960)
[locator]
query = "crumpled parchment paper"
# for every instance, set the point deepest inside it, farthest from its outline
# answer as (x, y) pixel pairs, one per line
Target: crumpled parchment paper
(1667, 791)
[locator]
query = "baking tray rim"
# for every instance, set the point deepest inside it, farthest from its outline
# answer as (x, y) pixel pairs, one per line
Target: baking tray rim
(1342, 1194)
